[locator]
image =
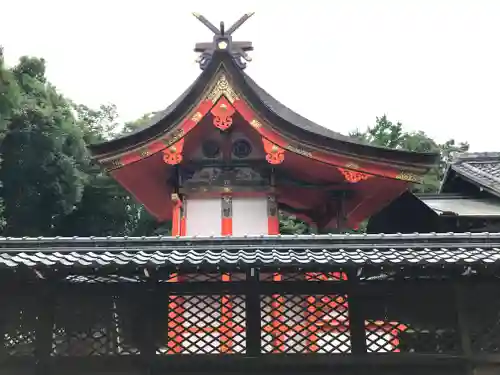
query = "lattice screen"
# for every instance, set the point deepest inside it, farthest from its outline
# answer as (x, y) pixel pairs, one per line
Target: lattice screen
(92, 324)
(412, 320)
(114, 316)
(18, 319)
(305, 324)
(205, 324)
(482, 315)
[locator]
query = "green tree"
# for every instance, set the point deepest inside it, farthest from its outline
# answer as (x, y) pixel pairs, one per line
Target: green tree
(9, 95)
(141, 122)
(50, 185)
(289, 224)
(392, 135)
(43, 152)
(106, 209)
(97, 125)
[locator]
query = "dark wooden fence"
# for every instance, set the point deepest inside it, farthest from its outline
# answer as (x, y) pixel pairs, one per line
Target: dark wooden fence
(247, 321)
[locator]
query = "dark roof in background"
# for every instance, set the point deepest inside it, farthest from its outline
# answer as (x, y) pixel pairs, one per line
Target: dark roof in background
(480, 168)
(277, 251)
(459, 205)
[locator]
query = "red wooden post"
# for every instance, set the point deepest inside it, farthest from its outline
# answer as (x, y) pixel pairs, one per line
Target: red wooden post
(273, 222)
(182, 215)
(176, 215)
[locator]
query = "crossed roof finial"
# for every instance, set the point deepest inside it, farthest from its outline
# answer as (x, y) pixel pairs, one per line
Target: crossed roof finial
(223, 41)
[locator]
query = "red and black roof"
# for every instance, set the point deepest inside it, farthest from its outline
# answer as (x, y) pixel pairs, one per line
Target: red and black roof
(278, 116)
(141, 162)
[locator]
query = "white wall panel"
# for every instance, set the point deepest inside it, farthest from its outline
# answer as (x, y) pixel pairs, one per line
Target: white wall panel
(249, 216)
(203, 217)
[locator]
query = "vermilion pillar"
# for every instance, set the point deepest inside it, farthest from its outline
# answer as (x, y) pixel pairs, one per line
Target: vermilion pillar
(273, 223)
(176, 215)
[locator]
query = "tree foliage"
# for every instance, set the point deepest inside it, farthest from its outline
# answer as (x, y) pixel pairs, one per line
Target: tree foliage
(387, 134)
(43, 152)
(49, 185)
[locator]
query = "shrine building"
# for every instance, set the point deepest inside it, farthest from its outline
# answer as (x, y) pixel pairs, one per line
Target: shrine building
(226, 155)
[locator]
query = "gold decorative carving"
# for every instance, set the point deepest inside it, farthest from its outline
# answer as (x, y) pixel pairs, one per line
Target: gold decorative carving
(173, 137)
(255, 124)
(299, 151)
(143, 152)
(410, 177)
(222, 87)
(111, 164)
(196, 117)
(352, 166)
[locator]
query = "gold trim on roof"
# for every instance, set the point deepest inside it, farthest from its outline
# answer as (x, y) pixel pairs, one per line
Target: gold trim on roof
(173, 137)
(111, 164)
(299, 151)
(196, 117)
(255, 124)
(222, 87)
(410, 177)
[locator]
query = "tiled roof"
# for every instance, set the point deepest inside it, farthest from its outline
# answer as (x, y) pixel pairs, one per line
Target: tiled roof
(457, 205)
(335, 250)
(482, 168)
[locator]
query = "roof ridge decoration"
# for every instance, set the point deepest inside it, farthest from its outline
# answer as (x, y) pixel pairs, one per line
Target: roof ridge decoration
(223, 41)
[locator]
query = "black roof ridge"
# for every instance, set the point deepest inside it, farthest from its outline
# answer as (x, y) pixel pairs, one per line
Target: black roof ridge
(476, 156)
(316, 128)
(257, 239)
(257, 248)
(312, 124)
(344, 144)
(109, 261)
(177, 109)
(444, 196)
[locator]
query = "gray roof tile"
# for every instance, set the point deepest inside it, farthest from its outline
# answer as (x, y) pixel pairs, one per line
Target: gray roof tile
(336, 250)
(482, 168)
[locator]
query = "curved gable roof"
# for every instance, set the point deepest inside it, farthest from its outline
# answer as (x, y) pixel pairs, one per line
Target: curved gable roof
(277, 115)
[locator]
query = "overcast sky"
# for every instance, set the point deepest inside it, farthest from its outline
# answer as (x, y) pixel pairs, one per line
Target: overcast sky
(432, 64)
